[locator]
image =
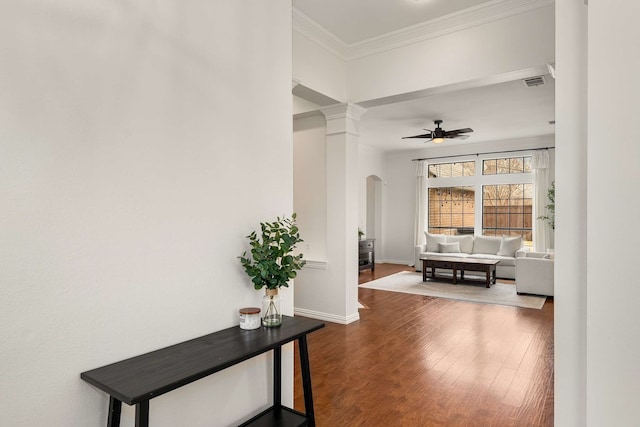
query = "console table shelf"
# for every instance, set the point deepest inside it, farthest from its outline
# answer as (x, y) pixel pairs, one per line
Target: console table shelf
(137, 380)
(366, 254)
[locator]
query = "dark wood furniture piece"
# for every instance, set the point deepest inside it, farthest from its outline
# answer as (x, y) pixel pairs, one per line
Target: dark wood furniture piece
(488, 266)
(367, 255)
(137, 380)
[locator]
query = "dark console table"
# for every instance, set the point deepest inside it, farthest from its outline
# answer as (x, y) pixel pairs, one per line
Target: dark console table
(137, 380)
(366, 254)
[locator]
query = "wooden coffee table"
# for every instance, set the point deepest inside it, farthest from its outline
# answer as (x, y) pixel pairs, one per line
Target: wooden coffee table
(488, 266)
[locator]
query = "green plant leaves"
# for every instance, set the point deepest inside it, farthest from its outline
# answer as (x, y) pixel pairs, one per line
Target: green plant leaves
(271, 264)
(551, 207)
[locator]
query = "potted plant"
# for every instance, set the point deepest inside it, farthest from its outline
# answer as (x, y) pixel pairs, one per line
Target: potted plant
(271, 263)
(360, 234)
(551, 207)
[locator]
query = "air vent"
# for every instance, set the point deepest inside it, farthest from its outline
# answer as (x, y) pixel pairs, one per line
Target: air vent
(534, 81)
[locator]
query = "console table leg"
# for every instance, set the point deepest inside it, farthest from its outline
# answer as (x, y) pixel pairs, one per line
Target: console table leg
(306, 381)
(115, 408)
(277, 377)
(142, 414)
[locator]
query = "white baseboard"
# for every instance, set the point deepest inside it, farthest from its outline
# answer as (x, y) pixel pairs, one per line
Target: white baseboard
(327, 317)
(394, 261)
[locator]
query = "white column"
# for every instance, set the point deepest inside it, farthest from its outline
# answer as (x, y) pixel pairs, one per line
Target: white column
(571, 215)
(342, 208)
(613, 294)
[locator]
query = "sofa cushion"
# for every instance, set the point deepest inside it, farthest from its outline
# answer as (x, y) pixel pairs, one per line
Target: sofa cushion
(466, 242)
(532, 254)
(433, 240)
(450, 248)
(486, 245)
(454, 254)
(509, 245)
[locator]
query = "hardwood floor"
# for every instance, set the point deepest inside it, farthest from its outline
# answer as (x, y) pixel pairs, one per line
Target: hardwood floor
(413, 360)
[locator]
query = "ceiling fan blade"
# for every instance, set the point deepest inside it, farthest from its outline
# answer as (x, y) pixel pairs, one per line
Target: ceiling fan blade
(458, 131)
(438, 133)
(426, 135)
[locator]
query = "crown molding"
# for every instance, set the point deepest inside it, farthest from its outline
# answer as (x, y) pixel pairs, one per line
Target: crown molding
(467, 18)
(318, 34)
(344, 110)
(343, 118)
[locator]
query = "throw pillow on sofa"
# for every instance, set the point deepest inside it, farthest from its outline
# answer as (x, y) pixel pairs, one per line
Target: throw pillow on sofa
(466, 242)
(433, 240)
(486, 245)
(450, 248)
(509, 245)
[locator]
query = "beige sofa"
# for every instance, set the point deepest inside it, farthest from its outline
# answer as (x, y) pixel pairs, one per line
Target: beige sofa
(505, 249)
(534, 274)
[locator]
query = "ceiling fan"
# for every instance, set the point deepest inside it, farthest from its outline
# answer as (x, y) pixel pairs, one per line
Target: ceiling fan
(438, 135)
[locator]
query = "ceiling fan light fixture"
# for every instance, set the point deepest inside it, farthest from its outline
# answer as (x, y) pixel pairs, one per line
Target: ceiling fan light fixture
(438, 135)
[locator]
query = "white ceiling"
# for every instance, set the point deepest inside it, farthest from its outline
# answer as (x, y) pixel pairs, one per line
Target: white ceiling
(495, 112)
(356, 20)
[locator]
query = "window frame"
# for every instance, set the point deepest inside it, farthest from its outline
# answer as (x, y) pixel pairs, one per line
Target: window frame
(478, 181)
(508, 230)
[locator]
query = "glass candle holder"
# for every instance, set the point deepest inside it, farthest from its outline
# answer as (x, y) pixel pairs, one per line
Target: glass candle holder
(250, 318)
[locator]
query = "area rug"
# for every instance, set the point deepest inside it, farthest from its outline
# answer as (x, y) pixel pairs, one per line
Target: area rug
(411, 283)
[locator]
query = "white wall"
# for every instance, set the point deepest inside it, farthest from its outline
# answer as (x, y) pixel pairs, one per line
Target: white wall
(597, 374)
(139, 143)
(301, 106)
(570, 298)
(319, 69)
(613, 348)
(310, 184)
(310, 203)
(515, 43)
(399, 207)
(371, 162)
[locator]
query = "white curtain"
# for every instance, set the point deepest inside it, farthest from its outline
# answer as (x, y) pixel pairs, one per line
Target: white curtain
(422, 173)
(541, 184)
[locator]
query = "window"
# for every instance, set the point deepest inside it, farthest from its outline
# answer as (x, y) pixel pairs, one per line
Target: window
(507, 209)
(450, 170)
(504, 197)
(451, 210)
(507, 165)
